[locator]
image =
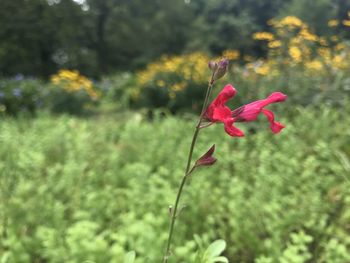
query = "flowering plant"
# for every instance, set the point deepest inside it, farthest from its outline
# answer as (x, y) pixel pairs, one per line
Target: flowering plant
(293, 44)
(72, 92)
(21, 95)
(218, 111)
(175, 82)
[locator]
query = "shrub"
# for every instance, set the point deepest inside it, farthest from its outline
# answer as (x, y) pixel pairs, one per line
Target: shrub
(72, 92)
(176, 82)
(311, 69)
(21, 95)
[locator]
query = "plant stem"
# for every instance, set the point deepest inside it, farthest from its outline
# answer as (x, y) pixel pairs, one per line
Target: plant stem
(188, 170)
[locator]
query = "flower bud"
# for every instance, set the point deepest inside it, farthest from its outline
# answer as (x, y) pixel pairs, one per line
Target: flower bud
(213, 65)
(207, 159)
(221, 69)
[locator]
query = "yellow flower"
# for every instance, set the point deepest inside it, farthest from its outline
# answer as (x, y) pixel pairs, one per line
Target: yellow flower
(55, 79)
(231, 54)
(334, 38)
(346, 22)
(314, 65)
(190, 67)
(264, 69)
(290, 21)
(71, 81)
(295, 53)
(333, 23)
(339, 62)
(179, 86)
(304, 33)
(263, 36)
(324, 52)
(274, 44)
(296, 40)
(322, 41)
(248, 58)
(339, 46)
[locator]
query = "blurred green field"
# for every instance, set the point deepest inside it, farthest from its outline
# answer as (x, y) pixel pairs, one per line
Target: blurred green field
(89, 190)
(98, 104)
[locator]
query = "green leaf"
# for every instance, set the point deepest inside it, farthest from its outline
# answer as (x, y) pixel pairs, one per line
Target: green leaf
(216, 248)
(221, 259)
(130, 257)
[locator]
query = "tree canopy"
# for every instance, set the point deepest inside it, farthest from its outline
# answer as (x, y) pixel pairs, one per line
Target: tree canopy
(37, 37)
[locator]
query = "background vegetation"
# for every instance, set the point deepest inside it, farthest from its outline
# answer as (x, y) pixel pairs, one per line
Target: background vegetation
(97, 104)
(39, 37)
(94, 189)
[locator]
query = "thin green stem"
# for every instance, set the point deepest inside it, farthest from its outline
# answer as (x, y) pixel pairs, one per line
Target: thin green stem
(188, 170)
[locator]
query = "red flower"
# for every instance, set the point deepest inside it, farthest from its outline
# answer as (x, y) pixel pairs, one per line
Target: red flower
(217, 111)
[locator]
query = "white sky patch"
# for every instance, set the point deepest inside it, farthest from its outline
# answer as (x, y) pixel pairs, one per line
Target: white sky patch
(80, 2)
(83, 4)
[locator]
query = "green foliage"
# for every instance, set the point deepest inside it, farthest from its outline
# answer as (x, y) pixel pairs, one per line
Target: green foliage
(229, 24)
(322, 11)
(75, 103)
(20, 95)
(212, 253)
(118, 91)
(175, 83)
(40, 36)
(101, 36)
(130, 257)
(24, 96)
(75, 190)
(302, 89)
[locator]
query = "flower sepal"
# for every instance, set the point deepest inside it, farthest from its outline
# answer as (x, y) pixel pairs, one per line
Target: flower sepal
(207, 159)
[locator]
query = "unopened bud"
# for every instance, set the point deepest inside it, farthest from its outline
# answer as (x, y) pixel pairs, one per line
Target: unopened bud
(213, 65)
(207, 159)
(221, 69)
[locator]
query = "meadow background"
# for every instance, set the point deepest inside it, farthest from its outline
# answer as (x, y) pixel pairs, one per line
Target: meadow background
(98, 102)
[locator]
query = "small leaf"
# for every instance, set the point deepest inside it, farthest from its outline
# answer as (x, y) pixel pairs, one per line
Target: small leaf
(221, 259)
(130, 257)
(216, 248)
(207, 158)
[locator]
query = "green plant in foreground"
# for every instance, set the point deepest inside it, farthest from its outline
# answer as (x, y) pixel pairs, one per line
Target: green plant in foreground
(217, 111)
(130, 257)
(58, 206)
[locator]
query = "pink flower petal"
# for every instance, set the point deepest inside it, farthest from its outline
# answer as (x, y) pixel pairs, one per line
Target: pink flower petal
(221, 113)
(252, 110)
(232, 130)
(275, 126)
(217, 111)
